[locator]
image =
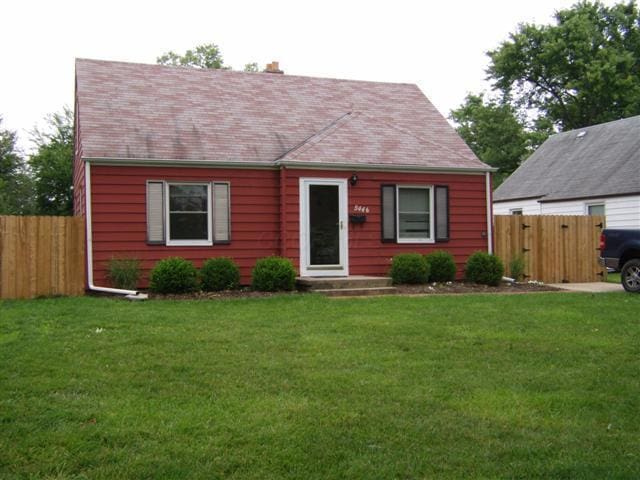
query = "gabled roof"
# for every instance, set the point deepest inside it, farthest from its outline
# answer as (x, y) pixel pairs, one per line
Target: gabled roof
(129, 111)
(601, 160)
(359, 139)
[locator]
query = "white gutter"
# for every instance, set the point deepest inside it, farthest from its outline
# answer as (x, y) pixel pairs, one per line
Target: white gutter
(89, 226)
(382, 167)
(179, 163)
(379, 167)
(489, 216)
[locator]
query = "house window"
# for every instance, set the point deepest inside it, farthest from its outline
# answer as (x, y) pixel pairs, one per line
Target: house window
(415, 214)
(180, 213)
(515, 211)
(595, 209)
(189, 213)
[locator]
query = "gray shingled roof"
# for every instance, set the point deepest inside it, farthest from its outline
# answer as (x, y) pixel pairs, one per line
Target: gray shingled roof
(603, 161)
(153, 112)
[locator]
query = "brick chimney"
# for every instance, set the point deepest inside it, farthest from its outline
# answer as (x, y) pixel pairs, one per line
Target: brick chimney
(273, 67)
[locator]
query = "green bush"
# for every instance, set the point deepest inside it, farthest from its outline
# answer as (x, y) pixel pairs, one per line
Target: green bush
(516, 268)
(442, 267)
(124, 272)
(174, 275)
(409, 268)
(219, 274)
(484, 268)
(271, 274)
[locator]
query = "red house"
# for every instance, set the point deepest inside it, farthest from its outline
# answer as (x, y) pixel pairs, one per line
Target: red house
(337, 175)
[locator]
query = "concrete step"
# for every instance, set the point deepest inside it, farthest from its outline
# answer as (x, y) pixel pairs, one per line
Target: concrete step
(356, 292)
(337, 283)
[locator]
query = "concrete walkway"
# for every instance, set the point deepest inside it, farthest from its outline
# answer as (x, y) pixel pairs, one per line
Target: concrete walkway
(595, 287)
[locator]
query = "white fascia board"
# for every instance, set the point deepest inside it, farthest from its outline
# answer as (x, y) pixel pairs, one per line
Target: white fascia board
(285, 163)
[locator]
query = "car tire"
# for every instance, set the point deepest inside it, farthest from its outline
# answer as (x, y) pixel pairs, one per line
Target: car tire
(630, 276)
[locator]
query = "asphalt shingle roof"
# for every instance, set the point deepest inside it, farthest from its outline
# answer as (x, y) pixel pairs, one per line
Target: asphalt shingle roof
(600, 160)
(153, 112)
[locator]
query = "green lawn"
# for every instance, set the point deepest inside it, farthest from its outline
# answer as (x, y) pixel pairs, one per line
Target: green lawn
(304, 387)
(613, 277)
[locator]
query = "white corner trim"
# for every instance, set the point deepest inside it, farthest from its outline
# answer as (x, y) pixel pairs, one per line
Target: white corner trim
(489, 214)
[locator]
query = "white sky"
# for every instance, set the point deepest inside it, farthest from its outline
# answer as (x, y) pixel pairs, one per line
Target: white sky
(438, 45)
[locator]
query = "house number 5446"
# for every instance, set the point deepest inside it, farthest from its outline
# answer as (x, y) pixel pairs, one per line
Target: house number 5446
(360, 209)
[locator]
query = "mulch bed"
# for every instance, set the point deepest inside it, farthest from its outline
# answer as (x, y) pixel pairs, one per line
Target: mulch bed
(464, 287)
(429, 289)
(242, 293)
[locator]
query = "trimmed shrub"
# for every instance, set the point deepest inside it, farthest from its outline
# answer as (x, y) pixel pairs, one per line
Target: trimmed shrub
(124, 272)
(271, 274)
(174, 275)
(484, 268)
(442, 267)
(516, 268)
(219, 274)
(409, 268)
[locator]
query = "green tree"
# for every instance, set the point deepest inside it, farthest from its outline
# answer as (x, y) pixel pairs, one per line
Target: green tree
(52, 165)
(496, 134)
(203, 56)
(580, 71)
(16, 188)
(251, 67)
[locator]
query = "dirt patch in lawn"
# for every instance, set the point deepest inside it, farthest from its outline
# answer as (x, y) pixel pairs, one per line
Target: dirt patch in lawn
(429, 289)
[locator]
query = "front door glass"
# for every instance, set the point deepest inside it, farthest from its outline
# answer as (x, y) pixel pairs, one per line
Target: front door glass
(324, 224)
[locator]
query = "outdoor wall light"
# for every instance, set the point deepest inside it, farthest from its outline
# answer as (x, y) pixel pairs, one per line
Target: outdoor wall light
(353, 180)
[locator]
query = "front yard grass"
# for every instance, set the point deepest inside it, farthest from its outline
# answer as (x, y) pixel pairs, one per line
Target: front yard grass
(304, 387)
(613, 277)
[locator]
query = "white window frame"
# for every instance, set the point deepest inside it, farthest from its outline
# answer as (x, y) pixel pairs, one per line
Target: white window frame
(516, 211)
(595, 204)
(167, 219)
(431, 238)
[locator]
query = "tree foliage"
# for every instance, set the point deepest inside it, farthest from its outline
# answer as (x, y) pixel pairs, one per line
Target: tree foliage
(9, 158)
(16, 187)
(251, 67)
(496, 134)
(202, 56)
(583, 70)
(52, 165)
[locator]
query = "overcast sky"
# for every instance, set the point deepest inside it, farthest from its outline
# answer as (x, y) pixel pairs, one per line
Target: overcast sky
(438, 45)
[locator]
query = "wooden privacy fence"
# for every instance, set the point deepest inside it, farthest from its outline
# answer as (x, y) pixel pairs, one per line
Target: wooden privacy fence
(41, 256)
(555, 248)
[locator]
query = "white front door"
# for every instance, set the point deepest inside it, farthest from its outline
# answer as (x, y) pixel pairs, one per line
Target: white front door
(323, 227)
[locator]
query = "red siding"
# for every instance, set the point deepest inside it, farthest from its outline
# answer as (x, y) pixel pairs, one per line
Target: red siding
(119, 216)
(368, 255)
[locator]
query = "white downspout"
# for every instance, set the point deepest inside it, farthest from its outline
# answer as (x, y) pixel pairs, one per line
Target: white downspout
(87, 198)
(489, 210)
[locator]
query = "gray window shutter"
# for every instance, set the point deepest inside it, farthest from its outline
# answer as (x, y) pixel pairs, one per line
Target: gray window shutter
(155, 212)
(442, 213)
(388, 211)
(221, 224)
